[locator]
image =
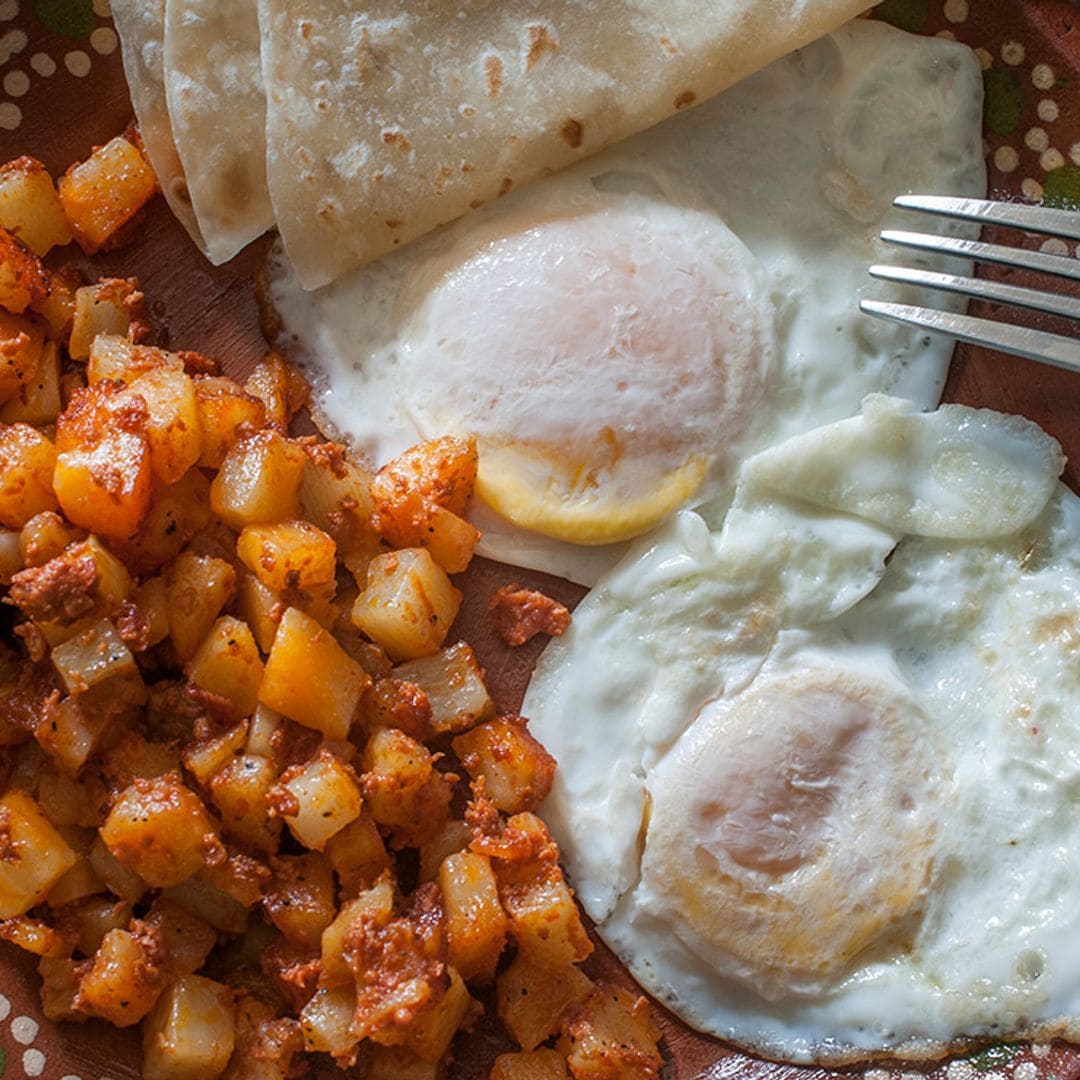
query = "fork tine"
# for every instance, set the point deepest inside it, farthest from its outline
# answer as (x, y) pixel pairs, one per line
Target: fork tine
(1040, 219)
(1038, 345)
(994, 291)
(1059, 265)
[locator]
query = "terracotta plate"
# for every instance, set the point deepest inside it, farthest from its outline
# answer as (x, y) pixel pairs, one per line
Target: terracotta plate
(62, 91)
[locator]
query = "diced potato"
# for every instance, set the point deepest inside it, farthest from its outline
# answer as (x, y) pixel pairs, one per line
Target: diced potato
(475, 921)
(24, 282)
(399, 1063)
(122, 982)
(22, 348)
(335, 496)
(326, 1021)
(259, 481)
(226, 415)
(377, 903)
(77, 884)
(198, 587)
(210, 904)
(454, 685)
(453, 837)
(327, 798)
(611, 1035)
(104, 308)
(266, 1044)
(288, 555)
(310, 678)
(29, 206)
(430, 1034)
(11, 556)
(187, 938)
(93, 657)
(408, 605)
(240, 790)
(532, 999)
(203, 758)
(37, 400)
(399, 704)
(442, 472)
(103, 193)
(133, 758)
(160, 829)
(58, 308)
(300, 902)
(69, 734)
(228, 663)
(121, 881)
(45, 536)
(117, 359)
(27, 460)
(280, 387)
(74, 808)
(106, 488)
(151, 599)
(517, 771)
(177, 513)
(263, 739)
(357, 854)
(173, 425)
(59, 985)
(402, 787)
(36, 856)
(260, 608)
(530, 1065)
(191, 1033)
(33, 936)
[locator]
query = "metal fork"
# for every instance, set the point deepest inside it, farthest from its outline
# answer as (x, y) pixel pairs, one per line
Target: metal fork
(1033, 344)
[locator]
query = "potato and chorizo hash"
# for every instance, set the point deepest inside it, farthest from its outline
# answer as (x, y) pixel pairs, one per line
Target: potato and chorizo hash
(251, 799)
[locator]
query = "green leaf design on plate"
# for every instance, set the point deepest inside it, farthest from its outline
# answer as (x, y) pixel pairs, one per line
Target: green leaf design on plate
(72, 18)
(993, 1057)
(1061, 188)
(909, 15)
(3, 1061)
(1003, 101)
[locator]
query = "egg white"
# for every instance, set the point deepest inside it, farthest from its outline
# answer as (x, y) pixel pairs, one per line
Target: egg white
(970, 642)
(800, 162)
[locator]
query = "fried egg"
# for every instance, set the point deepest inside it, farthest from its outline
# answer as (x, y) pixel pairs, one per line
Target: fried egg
(818, 770)
(621, 335)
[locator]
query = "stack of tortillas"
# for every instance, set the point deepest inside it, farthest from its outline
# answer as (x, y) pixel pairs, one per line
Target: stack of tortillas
(355, 126)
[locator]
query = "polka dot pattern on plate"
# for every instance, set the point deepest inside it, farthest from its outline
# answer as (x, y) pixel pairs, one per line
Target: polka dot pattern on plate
(78, 63)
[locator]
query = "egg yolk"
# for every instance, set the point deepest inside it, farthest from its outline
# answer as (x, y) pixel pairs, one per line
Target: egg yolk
(790, 829)
(606, 360)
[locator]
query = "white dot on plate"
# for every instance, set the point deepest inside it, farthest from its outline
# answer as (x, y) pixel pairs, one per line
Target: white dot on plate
(956, 11)
(1048, 110)
(948, 35)
(1040, 1050)
(1074, 153)
(1026, 1070)
(1054, 246)
(24, 1029)
(1036, 139)
(1043, 77)
(16, 83)
(43, 64)
(33, 1062)
(11, 44)
(102, 8)
(1051, 159)
(1006, 159)
(960, 1070)
(1031, 189)
(5, 1007)
(70, 1076)
(1013, 53)
(77, 62)
(10, 119)
(985, 58)
(8, 10)
(103, 40)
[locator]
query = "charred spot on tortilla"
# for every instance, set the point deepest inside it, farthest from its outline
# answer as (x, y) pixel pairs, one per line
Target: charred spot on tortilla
(493, 73)
(541, 43)
(573, 132)
(687, 97)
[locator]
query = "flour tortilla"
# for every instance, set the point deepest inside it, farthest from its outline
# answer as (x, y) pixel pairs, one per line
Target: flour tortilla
(386, 119)
(141, 26)
(213, 86)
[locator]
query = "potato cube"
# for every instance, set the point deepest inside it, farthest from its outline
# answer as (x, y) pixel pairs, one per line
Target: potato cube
(226, 415)
(36, 856)
(160, 829)
(611, 1035)
(120, 880)
(33, 936)
(280, 387)
(103, 193)
(187, 938)
(399, 1063)
(151, 600)
(335, 496)
(408, 604)
(430, 1034)
(210, 904)
(259, 481)
(69, 734)
(93, 657)
(77, 884)
(260, 608)
(442, 472)
(113, 356)
(374, 903)
(544, 919)
(454, 686)
(530, 1065)
(106, 488)
(29, 206)
(300, 901)
(104, 309)
(204, 757)
(45, 536)
(177, 513)
(173, 426)
(228, 663)
(475, 921)
(240, 791)
(198, 587)
(326, 1020)
(59, 985)
(357, 854)
(310, 678)
(532, 999)
(57, 310)
(191, 1033)
(288, 555)
(263, 738)
(454, 836)
(27, 461)
(11, 556)
(122, 982)
(22, 347)
(517, 771)
(37, 400)
(24, 282)
(327, 798)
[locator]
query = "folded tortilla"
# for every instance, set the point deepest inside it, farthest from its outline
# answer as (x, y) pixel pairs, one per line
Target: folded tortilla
(385, 119)
(141, 26)
(217, 109)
